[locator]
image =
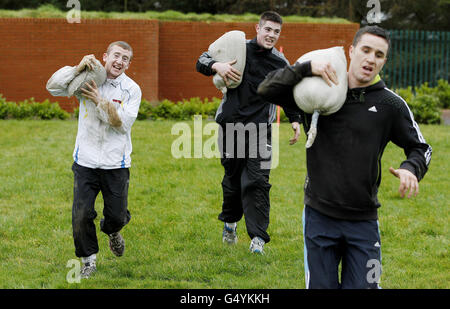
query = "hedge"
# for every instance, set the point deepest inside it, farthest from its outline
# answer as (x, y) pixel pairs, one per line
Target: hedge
(30, 109)
(425, 103)
(182, 110)
(50, 11)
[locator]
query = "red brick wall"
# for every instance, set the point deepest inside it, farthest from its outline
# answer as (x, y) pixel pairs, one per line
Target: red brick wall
(182, 43)
(165, 53)
(33, 49)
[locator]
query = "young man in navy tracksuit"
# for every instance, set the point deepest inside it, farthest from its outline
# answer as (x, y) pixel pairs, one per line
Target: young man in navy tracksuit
(245, 184)
(344, 165)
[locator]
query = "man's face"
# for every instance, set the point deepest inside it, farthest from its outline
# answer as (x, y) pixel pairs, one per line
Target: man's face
(267, 34)
(367, 59)
(117, 60)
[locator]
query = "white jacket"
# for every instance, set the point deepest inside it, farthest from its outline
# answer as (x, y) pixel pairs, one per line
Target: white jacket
(98, 144)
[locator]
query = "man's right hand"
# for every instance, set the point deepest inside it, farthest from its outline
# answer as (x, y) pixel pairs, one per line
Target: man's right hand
(87, 61)
(226, 71)
(324, 70)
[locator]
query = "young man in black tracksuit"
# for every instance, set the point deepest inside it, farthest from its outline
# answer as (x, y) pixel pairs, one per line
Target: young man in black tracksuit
(344, 165)
(246, 158)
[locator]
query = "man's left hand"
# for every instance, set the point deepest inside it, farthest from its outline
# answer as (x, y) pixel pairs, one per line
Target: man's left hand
(408, 182)
(296, 128)
(91, 92)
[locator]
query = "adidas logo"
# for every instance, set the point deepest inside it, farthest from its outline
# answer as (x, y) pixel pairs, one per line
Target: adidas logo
(372, 109)
(377, 244)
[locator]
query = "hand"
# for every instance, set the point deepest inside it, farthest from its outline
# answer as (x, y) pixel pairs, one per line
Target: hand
(408, 181)
(296, 128)
(91, 92)
(325, 70)
(87, 61)
(226, 71)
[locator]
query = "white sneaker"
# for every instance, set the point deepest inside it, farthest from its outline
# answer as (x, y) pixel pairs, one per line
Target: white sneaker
(257, 245)
(89, 266)
(229, 234)
(88, 270)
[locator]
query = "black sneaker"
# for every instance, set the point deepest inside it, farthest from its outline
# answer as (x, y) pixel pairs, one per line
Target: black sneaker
(116, 244)
(88, 270)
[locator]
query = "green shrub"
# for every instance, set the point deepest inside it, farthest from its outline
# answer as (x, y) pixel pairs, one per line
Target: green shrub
(406, 93)
(185, 109)
(210, 108)
(443, 93)
(47, 110)
(181, 110)
(29, 109)
(8, 110)
(3, 108)
(76, 112)
(426, 102)
(425, 89)
(189, 107)
(145, 110)
(426, 109)
(165, 110)
(50, 11)
(195, 106)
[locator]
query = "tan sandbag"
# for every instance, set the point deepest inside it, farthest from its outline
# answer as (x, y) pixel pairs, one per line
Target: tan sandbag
(98, 74)
(228, 47)
(314, 96)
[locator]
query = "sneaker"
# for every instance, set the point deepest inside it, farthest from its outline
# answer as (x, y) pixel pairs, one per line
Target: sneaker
(229, 234)
(88, 270)
(116, 244)
(257, 245)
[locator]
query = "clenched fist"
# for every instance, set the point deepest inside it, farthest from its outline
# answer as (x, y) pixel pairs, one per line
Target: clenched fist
(87, 61)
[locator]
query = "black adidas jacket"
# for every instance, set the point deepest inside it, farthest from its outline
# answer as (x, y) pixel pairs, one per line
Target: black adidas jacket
(344, 163)
(242, 104)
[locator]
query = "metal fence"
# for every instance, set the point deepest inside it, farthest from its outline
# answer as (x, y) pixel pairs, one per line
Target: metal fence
(417, 57)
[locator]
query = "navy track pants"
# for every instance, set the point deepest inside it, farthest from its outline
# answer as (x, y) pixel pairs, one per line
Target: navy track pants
(329, 241)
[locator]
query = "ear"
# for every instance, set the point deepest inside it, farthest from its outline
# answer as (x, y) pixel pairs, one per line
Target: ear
(105, 56)
(257, 27)
(350, 51)
(384, 62)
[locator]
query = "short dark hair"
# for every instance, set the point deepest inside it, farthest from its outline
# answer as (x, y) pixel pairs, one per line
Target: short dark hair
(122, 44)
(375, 30)
(271, 16)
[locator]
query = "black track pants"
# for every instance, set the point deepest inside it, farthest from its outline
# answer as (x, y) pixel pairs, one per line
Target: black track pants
(87, 184)
(246, 187)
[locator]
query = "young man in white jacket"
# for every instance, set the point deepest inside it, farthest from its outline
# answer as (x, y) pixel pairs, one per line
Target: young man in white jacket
(102, 150)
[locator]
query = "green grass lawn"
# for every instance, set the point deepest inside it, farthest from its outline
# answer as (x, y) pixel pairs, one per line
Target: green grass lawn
(174, 237)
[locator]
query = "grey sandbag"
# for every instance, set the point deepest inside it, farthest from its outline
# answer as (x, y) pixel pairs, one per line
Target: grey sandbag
(230, 46)
(98, 74)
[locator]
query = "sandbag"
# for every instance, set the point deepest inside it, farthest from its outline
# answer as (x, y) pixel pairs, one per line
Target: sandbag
(98, 74)
(314, 96)
(228, 47)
